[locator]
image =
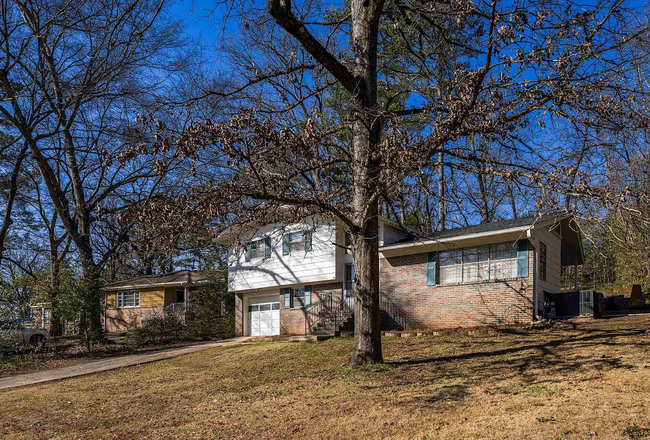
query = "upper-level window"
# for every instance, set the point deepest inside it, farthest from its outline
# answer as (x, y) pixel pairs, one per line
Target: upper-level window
(479, 263)
(257, 249)
(128, 299)
(295, 242)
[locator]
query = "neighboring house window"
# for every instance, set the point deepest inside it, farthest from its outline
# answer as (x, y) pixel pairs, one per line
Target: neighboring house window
(128, 299)
(479, 263)
(180, 296)
(542, 261)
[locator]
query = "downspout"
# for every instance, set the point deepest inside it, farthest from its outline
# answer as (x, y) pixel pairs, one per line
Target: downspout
(529, 235)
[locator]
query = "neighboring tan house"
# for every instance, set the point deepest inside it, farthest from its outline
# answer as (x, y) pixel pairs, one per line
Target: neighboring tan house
(128, 302)
(299, 279)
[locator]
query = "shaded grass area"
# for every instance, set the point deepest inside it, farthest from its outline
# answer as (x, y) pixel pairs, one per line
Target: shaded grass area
(73, 354)
(576, 380)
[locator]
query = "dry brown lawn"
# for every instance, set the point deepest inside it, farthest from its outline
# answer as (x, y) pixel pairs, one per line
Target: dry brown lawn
(577, 380)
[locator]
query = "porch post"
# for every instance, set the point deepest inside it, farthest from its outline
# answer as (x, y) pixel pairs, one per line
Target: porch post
(575, 275)
(187, 296)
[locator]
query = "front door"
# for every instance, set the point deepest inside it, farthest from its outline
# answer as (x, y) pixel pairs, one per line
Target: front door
(265, 319)
(348, 288)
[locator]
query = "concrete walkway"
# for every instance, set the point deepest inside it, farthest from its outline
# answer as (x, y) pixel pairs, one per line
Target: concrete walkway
(110, 364)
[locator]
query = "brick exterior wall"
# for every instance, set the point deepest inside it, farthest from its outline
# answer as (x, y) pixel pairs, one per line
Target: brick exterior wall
(239, 314)
(404, 292)
(292, 321)
(408, 303)
(119, 320)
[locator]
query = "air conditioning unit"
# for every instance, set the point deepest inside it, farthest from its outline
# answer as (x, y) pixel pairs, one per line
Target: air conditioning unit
(586, 303)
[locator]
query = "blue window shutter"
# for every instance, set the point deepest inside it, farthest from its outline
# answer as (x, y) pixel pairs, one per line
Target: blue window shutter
(308, 241)
(267, 247)
(249, 253)
(307, 296)
(285, 244)
(522, 258)
(287, 298)
(431, 268)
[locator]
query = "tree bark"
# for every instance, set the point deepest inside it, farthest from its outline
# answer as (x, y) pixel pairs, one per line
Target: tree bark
(366, 167)
(13, 193)
(55, 288)
(441, 192)
(367, 314)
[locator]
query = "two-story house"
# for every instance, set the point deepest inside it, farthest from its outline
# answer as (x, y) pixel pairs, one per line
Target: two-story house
(299, 279)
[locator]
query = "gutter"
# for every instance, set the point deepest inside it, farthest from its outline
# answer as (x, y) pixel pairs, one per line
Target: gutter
(526, 229)
(144, 286)
(529, 235)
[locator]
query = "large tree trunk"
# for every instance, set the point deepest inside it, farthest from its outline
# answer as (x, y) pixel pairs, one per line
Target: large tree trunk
(13, 193)
(441, 192)
(55, 288)
(91, 316)
(366, 168)
(367, 314)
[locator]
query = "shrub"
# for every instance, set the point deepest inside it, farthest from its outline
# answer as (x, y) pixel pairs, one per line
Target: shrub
(212, 311)
(158, 328)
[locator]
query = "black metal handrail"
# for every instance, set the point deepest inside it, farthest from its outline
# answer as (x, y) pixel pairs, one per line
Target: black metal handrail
(397, 319)
(344, 310)
(316, 313)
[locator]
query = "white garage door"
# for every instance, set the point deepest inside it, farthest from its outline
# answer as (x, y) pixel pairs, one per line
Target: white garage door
(265, 319)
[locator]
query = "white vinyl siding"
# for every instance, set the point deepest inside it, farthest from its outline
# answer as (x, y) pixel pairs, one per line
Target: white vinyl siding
(553, 245)
(127, 300)
(479, 263)
(299, 267)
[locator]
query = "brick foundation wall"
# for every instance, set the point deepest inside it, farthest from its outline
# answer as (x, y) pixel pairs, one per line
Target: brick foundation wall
(292, 321)
(239, 314)
(119, 320)
(403, 284)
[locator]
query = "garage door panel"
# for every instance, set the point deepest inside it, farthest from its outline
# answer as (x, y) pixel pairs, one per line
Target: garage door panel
(265, 319)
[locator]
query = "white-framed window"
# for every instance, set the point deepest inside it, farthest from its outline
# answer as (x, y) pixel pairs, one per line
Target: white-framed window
(257, 249)
(476, 263)
(296, 241)
(129, 299)
(298, 297)
(451, 267)
(479, 263)
(503, 260)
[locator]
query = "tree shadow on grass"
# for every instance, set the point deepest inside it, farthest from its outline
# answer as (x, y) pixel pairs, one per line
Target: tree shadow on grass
(556, 359)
